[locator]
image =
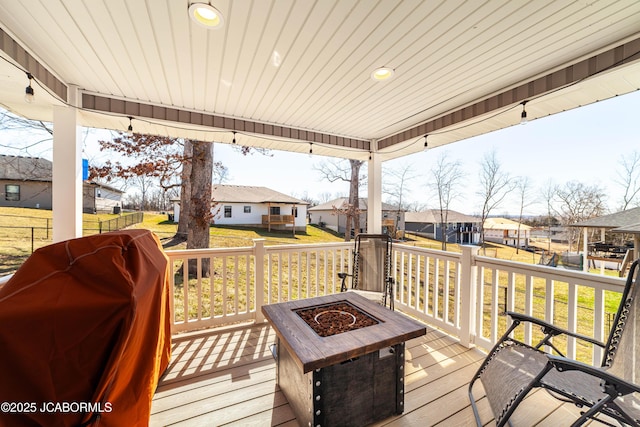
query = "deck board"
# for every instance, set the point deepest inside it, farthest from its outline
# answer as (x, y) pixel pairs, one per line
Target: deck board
(227, 377)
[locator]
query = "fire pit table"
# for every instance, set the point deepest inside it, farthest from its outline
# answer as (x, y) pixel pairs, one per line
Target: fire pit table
(340, 358)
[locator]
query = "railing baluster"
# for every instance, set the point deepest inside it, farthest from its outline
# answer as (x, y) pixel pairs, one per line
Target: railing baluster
(572, 318)
(225, 311)
(445, 293)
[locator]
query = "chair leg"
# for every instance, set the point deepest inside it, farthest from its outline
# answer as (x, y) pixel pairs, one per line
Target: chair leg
(343, 287)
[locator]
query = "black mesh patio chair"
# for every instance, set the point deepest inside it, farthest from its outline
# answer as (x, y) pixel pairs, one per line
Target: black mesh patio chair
(512, 369)
(371, 269)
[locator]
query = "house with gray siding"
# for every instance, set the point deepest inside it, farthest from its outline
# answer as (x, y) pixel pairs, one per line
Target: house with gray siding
(459, 228)
(25, 182)
(332, 215)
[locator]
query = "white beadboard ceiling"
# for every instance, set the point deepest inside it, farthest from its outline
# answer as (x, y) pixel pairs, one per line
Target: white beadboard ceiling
(279, 67)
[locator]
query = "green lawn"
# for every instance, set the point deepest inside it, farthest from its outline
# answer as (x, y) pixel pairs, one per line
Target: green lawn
(23, 230)
(20, 229)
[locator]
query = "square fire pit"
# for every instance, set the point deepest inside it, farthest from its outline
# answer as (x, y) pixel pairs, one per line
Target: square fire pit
(340, 358)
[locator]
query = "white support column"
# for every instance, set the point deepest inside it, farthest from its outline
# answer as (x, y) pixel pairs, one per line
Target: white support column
(67, 171)
(374, 189)
(468, 295)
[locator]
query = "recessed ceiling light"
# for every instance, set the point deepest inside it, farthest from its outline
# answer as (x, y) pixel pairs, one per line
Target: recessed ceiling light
(206, 15)
(382, 73)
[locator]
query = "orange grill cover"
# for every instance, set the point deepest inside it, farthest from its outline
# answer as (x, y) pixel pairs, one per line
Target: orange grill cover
(85, 324)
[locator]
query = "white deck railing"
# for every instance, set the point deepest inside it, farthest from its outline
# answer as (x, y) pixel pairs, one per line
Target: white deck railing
(464, 294)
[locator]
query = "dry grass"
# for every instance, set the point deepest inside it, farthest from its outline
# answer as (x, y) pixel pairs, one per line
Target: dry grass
(223, 292)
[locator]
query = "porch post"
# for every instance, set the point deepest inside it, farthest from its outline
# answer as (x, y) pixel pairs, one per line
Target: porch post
(259, 257)
(67, 170)
(374, 190)
(468, 295)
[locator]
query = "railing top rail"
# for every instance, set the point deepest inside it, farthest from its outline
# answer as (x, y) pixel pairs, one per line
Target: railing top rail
(454, 256)
(555, 273)
(209, 251)
(307, 246)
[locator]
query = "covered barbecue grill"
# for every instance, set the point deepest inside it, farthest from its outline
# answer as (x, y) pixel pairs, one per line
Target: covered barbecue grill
(85, 332)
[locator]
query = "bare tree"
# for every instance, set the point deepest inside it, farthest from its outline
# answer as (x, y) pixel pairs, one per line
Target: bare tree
(324, 197)
(395, 185)
(334, 171)
(548, 194)
(523, 189)
(579, 202)
(495, 184)
(447, 178)
(37, 139)
(145, 184)
(628, 177)
(182, 232)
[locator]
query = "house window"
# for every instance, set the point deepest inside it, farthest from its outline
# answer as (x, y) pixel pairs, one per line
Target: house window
(227, 211)
(12, 192)
(274, 210)
(247, 209)
(294, 211)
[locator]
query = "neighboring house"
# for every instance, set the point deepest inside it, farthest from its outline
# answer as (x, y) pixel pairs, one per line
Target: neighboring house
(25, 182)
(557, 234)
(505, 231)
(100, 198)
(460, 228)
(328, 215)
(255, 207)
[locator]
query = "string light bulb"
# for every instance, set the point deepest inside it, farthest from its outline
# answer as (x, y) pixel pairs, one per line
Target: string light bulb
(426, 147)
(310, 149)
(234, 137)
(523, 115)
(28, 92)
(130, 128)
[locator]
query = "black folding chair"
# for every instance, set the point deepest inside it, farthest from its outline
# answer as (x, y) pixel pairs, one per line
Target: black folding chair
(371, 269)
(512, 369)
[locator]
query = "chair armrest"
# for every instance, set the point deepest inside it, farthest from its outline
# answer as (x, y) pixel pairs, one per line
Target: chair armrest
(552, 330)
(621, 386)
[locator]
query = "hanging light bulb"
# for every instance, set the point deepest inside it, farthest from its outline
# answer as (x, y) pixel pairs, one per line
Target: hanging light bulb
(234, 137)
(426, 147)
(523, 115)
(310, 149)
(28, 92)
(130, 128)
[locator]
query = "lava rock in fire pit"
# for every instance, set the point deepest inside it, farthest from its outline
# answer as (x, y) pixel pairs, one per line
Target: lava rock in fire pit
(336, 318)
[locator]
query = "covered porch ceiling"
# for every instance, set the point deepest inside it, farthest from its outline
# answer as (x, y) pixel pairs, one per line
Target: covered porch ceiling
(284, 73)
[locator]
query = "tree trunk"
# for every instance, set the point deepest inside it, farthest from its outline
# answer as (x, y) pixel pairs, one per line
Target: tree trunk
(185, 192)
(200, 204)
(353, 214)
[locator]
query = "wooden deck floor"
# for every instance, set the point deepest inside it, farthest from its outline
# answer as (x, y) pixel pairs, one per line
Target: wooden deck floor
(228, 378)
